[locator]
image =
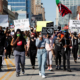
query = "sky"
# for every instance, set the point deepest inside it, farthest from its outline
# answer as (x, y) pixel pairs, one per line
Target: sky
(50, 10)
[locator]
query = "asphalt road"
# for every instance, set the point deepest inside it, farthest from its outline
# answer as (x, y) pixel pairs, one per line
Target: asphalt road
(9, 73)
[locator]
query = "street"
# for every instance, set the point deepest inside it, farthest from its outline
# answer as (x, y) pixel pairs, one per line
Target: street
(9, 73)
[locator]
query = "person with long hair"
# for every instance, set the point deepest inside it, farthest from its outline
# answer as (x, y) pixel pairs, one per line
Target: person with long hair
(19, 44)
(41, 54)
(32, 50)
(49, 48)
(57, 45)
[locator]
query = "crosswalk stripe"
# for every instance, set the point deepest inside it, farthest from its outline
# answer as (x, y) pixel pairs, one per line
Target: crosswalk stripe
(12, 71)
(8, 67)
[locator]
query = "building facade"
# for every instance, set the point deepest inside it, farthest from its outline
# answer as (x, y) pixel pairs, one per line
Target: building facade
(38, 2)
(18, 6)
(37, 10)
(28, 9)
(72, 5)
(33, 7)
(5, 11)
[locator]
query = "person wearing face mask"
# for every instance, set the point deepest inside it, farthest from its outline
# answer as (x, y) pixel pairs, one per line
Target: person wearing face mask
(41, 54)
(66, 43)
(19, 44)
(57, 45)
(75, 46)
(32, 50)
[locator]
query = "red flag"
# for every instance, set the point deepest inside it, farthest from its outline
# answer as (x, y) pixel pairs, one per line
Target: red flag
(63, 10)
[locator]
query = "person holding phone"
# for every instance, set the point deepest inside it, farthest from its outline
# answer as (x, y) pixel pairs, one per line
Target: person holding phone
(41, 54)
(19, 44)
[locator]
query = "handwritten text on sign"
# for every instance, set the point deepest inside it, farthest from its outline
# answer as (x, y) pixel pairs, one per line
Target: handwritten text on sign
(22, 24)
(74, 26)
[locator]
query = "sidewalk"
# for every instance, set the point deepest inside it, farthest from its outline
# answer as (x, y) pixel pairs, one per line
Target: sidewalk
(9, 73)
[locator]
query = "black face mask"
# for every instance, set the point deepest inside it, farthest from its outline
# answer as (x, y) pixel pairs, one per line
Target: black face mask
(31, 30)
(49, 36)
(32, 37)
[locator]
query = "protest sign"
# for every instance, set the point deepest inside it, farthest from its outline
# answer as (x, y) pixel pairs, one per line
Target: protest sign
(47, 30)
(41, 24)
(4, 21)
(51, 24)
(22, 24)
(74, 26)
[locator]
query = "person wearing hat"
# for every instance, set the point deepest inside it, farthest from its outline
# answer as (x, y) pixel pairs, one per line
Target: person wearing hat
(57, 45)
(32, 49)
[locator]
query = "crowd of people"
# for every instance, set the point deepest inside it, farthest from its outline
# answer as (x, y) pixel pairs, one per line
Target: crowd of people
(45, 47)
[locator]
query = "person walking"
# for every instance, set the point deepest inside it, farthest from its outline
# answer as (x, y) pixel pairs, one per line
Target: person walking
(20, 50)
(75, 46)
(66, 43)
(41, 54)
(32, 50)
(57, 45)
(8, 46)
(49, 48)
(2, 45)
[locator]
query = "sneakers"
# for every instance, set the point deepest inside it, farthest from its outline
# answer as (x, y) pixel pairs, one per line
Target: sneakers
(69, 70)
(48, 68)
(43, 76)
(0, 70)
(56, 67)
(17, 74)
(39, 73)
(33, 67)
(51, 69)
(23, 72)
(59, 67)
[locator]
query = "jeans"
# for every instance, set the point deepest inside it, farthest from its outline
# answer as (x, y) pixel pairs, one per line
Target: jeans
(42, 56)
(19, 59)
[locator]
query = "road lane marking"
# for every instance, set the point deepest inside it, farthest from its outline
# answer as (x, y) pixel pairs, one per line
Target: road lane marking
(8, 67)
(12, 71)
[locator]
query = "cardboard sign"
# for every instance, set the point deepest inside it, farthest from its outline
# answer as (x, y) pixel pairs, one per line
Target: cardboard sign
(47, 30)
(74, 26)
(4, 21)
(50, 24)
(40, 24)
(22, 24)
